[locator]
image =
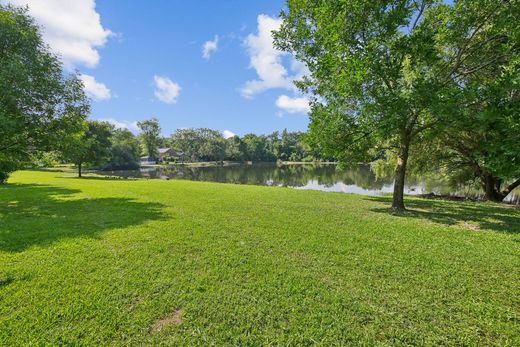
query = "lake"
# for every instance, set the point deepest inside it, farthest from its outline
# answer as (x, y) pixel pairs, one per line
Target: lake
(359, 180)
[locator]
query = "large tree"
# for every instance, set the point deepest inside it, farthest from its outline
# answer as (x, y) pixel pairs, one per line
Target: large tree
(257, 148)
(214, 145)
(150, 137)
(92, 147)
(483, 141)
(484, 136)
(188, 142)
(200, 144)
(384, 74)
(39, 106)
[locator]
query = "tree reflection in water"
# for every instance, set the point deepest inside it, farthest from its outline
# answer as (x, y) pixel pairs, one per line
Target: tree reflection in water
(359, 180)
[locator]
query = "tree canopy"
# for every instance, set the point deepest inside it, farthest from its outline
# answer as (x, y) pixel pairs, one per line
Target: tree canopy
(150, 137)
(125, 151)
(92, 147)
(386, 76)
(39, 105)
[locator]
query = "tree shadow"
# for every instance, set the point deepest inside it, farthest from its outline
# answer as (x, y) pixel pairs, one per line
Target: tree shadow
(470, 215)
(39, 215)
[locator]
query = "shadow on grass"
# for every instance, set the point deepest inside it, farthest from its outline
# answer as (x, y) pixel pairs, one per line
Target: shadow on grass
(471, 215)
(38, 215)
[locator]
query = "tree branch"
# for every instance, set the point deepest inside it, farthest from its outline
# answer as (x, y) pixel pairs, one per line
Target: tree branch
(421, 10)
(9, 146)
(478, 68)
(424, 127)
(457, 61)
(511, 187)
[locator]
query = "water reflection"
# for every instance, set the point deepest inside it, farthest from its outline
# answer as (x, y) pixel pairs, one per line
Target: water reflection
(358, 180)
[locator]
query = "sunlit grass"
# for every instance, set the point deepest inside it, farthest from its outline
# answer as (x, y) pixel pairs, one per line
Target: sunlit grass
(96, 262)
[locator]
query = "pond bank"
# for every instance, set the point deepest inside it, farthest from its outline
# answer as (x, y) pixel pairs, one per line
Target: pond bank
(323, 176)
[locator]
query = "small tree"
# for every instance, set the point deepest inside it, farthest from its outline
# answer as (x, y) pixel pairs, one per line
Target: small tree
(124, 153)
(92, 147)
(150, 137)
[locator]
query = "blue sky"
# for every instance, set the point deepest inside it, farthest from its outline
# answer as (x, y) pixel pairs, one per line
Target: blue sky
(143, 60)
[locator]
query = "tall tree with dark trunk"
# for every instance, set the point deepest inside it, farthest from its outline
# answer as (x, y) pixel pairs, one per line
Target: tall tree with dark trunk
(379, 71)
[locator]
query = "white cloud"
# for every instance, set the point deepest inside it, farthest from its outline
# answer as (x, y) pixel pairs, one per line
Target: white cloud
(94, 89)
(72, 29)
(209, 47)
(293, 105)
(166, 90)
(265, 59)
(268, 61)
(121, 124)
(227, 134)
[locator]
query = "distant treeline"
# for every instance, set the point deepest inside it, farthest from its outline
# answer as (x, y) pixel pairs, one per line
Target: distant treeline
(105, 147)
(204, 144)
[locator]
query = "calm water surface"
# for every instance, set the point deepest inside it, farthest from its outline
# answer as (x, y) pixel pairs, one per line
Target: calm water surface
(328, 178)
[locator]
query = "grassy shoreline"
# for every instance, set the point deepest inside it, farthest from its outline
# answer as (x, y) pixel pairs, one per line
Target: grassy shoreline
(97, 261)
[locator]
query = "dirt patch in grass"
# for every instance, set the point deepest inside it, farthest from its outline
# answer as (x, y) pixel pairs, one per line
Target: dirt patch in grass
(173, 319)
(469, 226)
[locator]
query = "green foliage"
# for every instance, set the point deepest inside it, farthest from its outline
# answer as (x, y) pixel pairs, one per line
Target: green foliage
(388, 75)
(188, 141)
(124, 153)
(39, 107)
(257, 148)
(374, 74)
(6, 167)
(208, 145)
(92, 147)
(46, 159)
(482, 139)
(211, 145)
(150, 137)
(235, 149)
(101, 262)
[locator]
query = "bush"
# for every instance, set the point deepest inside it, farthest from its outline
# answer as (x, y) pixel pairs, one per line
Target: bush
(6, 167)
(123, 157)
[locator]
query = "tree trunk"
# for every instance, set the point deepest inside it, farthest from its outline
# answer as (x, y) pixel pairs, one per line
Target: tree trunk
(490, 184)
(79, 170)
(492, 188)
(400, 174)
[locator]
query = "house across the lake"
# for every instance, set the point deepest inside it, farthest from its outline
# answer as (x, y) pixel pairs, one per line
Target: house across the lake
(165, 154)
(168, 153)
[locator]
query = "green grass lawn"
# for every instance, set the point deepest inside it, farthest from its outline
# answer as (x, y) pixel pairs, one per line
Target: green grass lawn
(111, 262)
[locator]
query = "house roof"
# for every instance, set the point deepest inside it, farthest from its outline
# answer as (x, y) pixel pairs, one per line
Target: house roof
(170, 151)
